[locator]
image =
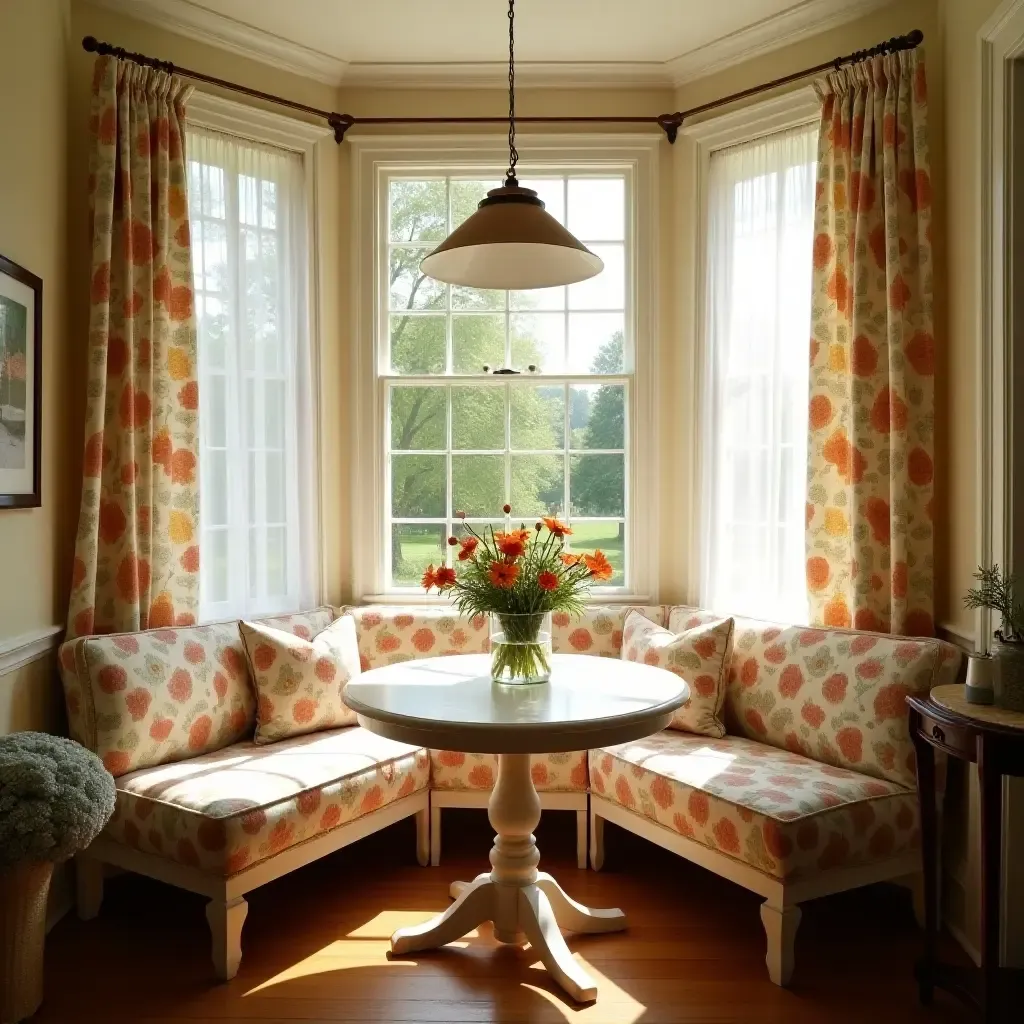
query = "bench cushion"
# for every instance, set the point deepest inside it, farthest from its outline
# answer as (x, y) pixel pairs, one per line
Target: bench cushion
(552, 773)
(838, 696)
(781, 813)
(225, 811)
(388, 634)
(161, 695)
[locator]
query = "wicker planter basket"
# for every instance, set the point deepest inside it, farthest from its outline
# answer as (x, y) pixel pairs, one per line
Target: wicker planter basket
(23, 891)
(1009, 674)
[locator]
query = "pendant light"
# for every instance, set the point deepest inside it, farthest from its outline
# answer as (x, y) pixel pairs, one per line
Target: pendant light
(511, 241)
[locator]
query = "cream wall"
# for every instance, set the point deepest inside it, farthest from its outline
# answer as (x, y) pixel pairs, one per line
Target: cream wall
(33, 103)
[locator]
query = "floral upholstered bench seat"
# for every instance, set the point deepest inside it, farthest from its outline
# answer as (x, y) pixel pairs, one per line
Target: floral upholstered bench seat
(228, 810)
(780, 813)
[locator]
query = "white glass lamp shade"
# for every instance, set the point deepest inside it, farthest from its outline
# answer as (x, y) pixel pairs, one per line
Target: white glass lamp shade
(511, 242)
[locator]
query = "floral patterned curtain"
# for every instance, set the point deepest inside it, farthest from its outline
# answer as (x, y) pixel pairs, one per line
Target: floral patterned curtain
(137, 554)
(869, 495)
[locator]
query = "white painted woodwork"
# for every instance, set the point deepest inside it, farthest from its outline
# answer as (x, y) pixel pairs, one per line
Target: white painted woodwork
(779, 895)
(478, 798)
(459, 43)
(523, 904)
(227, 909)
(780, 925)
(226, 920)
(452, 704)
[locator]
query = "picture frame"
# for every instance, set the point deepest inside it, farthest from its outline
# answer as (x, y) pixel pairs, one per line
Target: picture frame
(21, 386)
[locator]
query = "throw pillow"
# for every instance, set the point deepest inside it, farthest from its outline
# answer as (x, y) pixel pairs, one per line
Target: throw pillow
(699, 655)
(299, 682)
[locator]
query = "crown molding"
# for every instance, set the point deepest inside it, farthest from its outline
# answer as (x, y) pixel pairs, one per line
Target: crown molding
(194, 22)
(808, 19)
(187, 18)
(494, 75)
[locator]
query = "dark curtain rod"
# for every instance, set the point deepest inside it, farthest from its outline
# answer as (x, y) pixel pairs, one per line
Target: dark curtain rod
(669, 123)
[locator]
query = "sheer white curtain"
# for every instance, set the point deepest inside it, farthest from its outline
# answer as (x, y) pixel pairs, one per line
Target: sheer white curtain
(756, 354)
(258, 504)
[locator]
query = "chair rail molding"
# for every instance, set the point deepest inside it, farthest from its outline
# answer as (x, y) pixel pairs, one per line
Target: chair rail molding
(20, 650)
(1000, 144)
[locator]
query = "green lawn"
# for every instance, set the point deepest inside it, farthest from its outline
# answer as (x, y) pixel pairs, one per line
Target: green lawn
(422, 546)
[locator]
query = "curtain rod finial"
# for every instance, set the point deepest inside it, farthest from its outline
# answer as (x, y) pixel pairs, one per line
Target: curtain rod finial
(916, 37)
(90, 44)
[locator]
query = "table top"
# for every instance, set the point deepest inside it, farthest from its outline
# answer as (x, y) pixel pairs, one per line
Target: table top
(953, 698)
(452, 703)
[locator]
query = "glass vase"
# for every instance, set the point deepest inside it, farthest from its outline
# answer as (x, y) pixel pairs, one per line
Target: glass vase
(521, 647)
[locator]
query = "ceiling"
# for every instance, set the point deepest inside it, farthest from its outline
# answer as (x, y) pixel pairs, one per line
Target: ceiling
(465, 42)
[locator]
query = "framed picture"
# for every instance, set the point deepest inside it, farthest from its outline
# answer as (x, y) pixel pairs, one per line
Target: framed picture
(21, 386)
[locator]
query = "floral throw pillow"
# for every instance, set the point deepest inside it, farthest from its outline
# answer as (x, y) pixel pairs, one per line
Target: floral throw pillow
(299, 682)
(698, 655)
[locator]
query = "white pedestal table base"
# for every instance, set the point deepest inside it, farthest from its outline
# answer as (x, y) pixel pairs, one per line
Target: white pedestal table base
(524, 904)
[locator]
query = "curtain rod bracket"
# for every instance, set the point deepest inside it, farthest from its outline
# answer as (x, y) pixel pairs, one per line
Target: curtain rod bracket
(340, 123)
(670, 124)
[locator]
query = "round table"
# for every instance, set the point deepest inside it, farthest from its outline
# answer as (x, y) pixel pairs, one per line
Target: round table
(451, 703)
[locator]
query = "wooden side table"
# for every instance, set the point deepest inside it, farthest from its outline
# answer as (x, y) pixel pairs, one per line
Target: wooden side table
(994, 740)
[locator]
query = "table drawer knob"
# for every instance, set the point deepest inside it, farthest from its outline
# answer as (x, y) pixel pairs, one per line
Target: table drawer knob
(938, 734)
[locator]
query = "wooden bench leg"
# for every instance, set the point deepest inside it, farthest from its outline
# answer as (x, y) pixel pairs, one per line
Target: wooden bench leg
(88, 886)
(780, 925)
(435, 834)
(226, 919)
(596, 840)
(915, 883)
(581, 839)
(423, 837)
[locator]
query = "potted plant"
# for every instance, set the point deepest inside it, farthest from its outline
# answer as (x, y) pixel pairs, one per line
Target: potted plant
(55, 797)
(518, 578)
(997, 590)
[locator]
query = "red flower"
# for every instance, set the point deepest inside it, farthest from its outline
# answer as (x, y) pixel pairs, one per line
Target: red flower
(556, 526)
(429, 578)
(506, 509)
(547, 581)
(510, 546)
(466, 547)
(570, 559)
(445, 577)
(503, 574)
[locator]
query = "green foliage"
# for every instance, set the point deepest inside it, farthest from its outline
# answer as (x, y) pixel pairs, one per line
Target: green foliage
(55, 797)
(997, 591)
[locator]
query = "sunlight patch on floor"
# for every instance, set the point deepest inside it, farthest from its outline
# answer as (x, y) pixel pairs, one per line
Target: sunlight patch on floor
(365, 946)
(384, 925)
(627, 1010)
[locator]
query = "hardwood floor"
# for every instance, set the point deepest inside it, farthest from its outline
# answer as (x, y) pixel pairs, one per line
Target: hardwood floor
(314, 948)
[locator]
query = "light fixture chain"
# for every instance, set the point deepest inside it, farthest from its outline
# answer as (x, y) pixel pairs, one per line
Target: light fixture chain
(513, 154)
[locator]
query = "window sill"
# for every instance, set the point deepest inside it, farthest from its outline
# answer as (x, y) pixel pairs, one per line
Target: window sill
(430, 600)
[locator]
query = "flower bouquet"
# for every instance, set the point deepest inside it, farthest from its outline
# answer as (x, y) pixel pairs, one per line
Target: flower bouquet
(518, 578)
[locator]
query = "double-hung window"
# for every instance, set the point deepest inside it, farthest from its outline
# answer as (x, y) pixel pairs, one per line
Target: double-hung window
(248, 217)
(456, 435)
(760, 216)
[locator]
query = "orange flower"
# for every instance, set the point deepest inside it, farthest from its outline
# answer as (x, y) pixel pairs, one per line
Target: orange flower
(570, 559)
(429, 578)
(547, 581)
(503, 574)
(599, 566)
(466, 547)
(445, 577)
(556, 526)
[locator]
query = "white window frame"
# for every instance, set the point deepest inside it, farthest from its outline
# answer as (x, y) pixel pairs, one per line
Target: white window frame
(374, 158)
(696, 143)
(205, 110)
